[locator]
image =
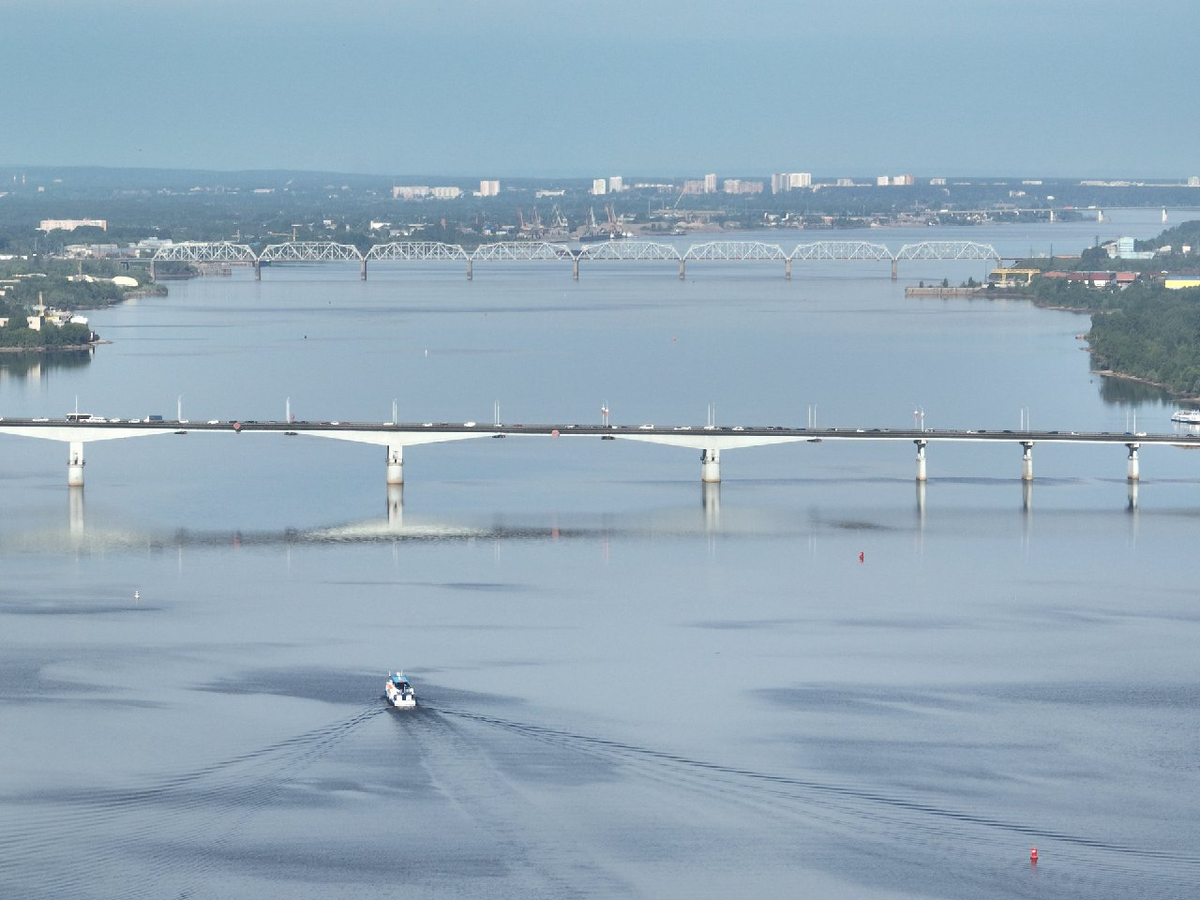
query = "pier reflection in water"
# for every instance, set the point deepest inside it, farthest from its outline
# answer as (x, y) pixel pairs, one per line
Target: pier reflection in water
(742, 521)
(75, 503)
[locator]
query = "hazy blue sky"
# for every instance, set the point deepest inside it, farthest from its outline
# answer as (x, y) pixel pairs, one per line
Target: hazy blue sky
(636, 87)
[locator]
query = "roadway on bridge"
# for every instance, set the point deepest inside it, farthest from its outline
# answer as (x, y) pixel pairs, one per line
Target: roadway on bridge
(683, 435)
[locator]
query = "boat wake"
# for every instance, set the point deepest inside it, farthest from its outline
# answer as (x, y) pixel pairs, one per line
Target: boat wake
(860, 811)
(216, 802)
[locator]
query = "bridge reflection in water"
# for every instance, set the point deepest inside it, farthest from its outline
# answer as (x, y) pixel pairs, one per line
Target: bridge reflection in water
(702, 518)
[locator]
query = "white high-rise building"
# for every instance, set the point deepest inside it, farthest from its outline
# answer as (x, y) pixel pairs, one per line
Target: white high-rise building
(599, 186)
(737, 186)
(616, 184)
(71, 224)
(489, 188)
(790, 181)
(710, 183)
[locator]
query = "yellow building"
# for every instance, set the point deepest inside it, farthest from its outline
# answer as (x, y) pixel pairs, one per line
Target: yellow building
(1178, 282)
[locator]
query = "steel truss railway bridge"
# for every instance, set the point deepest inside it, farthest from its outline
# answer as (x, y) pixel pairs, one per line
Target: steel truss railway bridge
(229, 253)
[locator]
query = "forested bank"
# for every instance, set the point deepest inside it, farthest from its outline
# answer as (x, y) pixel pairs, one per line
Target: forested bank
(1149, 332)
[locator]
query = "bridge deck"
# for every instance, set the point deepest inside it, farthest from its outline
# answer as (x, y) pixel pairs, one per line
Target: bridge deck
(684, 435)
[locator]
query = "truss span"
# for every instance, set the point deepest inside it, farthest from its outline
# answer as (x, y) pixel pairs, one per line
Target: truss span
(328, 251)
(416, 250)
(205, 252)
(621, 250)
(947, 250)
(310, 251)
(841, 250)
(522, 250)
(735, 250)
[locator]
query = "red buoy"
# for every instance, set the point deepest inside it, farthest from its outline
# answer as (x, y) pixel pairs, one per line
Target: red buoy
(1033, 856)
(862, 557)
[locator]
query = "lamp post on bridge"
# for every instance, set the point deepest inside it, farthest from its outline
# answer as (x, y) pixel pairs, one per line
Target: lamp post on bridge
(919, 418)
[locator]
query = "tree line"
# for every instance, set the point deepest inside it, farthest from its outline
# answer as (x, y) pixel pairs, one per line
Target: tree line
(1151, 333)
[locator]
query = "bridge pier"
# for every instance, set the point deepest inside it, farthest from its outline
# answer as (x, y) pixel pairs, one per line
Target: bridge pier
(152, 270)
(682, 270)
(787, 269)
(395, 464)
(921, 460)
(363, 274)
(1132, 472)
(75, 465)
(257, 270)
(575, 269)
(1027, 460)
(710, 466)
(470, 270)
(895, 270)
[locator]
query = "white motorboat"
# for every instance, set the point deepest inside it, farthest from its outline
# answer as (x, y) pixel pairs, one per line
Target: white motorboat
(399, 692)
(1187, 417)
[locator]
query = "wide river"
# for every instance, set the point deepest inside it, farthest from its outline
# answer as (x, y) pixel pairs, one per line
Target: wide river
(816, 679)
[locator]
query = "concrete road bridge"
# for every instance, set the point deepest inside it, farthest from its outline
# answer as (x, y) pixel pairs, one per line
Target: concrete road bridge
(628, 250)
(711, 440)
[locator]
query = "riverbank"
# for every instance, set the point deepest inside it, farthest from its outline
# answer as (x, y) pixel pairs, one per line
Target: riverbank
(69, 348)
(148, 290)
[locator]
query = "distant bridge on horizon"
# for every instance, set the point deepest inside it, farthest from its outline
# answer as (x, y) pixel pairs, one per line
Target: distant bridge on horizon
(230, 253)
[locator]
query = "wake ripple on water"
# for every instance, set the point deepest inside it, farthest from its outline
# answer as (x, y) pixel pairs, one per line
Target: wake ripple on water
(181, 832)
(856, 810)
(67, 832)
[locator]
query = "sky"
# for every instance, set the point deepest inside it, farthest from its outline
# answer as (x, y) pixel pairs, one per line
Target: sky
(509, 88)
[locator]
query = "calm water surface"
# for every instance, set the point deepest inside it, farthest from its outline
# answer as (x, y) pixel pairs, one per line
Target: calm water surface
(631, 686)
